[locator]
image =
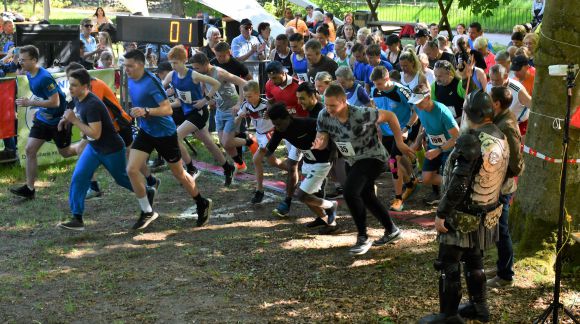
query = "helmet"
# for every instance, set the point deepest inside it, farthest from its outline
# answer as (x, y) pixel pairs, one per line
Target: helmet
(478, 106)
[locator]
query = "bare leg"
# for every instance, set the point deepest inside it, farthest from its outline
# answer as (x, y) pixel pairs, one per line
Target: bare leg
(136, 162)
(205, 137)
(183, 130)
(32, 147)
(184, 178)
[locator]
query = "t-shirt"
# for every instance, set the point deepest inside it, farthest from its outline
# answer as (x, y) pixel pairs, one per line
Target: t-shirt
(357, 95)
(119, 117)
(301, 133)
(357, 139)
(370, 68)
(241, 46)
(325, 64)
(148, 92)
(360, 71)
(43, 86)
(437, 122)
(395, 100)
(313, 113)
(528, 83)
(93, 110)
(451, 95)
(445, 56)
(521, 112)
(329, 48)
(286, 94)
(90, 44)
(233, 66)
(261, 124)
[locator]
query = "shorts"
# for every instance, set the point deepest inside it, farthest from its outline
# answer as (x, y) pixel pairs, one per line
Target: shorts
(391, 145)
(314, 176)
(167, 146)
(294, 153)
(263, 139)
(48, 133)
(198, 118)
(523, 126)
(224, 121)
(126, 134)
(435, 164)
(178, 117)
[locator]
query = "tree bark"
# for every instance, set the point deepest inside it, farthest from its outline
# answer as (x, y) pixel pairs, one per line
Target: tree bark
(47, 10)
(535, 212)
(177, 8)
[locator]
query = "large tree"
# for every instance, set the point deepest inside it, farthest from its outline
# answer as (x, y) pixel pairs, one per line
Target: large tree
(535, 211)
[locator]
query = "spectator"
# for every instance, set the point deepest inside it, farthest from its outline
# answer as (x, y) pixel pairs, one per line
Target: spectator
(99, 18)
(443, 44)
(538, 11)
(213, 37)
(281, 53)
(435, 54)
(512, 51)
(480, 45)
(288, 15)
(411, 70)
(356, 95)
(323, 36)
(464, 52)
(265, 38)
(349, 35)
(342, 58)
(7, 35)
(362, 34)
(105, 44)
(475, 31)
(348, 21)
(329, 20)
(394, 51)
(245, 46)
(318, 20)
(91, 48)
(316, 61)
(517, 39)
(531, 42)
(503, 58)
(86, 64)
(421, 38)
(299, 25)
(433, 31)
(428, 72)
(290, 31)
(460, 34)
(309, 16)
(524, 72)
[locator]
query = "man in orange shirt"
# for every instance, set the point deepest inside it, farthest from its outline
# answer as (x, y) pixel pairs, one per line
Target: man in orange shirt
(299, 24)
(524, 72)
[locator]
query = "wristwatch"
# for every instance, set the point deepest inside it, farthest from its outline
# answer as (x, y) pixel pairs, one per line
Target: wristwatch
(207, 98)
(147, 112)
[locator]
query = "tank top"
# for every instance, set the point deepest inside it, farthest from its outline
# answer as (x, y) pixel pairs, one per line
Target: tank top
(227, 96)
(300, 67)
(286, 62)
(345, 62)
(450, 96)
(412, 84)
(353, 100)
(186, 90)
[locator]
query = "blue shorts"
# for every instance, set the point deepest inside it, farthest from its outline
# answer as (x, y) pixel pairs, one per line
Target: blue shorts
(224, 121)
(435, 164)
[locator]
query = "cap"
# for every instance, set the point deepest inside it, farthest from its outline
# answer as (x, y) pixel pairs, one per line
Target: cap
(422, 33)
(418, 97)
(518, 62)
(245, 22)
(274, 67)
(164, 66)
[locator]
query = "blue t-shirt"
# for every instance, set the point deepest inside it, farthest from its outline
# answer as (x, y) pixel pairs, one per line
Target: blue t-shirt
(329, 48)
(43, 86)
(148, 92)
(360, 71)
(370, 69)
(437, 122)
(90, 45)
(395, 100)
(186, 90)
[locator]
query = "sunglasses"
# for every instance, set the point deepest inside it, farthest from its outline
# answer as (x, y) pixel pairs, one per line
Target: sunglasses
(88, 26)
(248, 28)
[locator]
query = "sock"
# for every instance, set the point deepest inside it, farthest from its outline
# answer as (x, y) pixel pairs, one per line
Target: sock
(151, 181)
(399, 197)
(31, 189)
(239, 151)
(227, 166)
(199, 199)
(326, 204)
(144, 203)
(436, 189)
(238, 159)
(78, 217)
(410, 183)
(95, 186)
(288, 200)
(249, 142)
(190, 166)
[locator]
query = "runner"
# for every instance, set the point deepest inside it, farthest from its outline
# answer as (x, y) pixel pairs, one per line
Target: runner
(157, 131)
(353, 130)
(298, 58)
(187, 85)
(301, 132)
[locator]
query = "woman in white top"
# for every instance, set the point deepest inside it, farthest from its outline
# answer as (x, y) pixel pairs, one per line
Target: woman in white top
(99, 18)
(460, 34)
(411, 70)
(429, 74)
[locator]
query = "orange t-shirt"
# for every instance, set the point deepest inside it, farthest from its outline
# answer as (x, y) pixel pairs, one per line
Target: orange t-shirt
(528, 83)
(107, 96)
(300, 26)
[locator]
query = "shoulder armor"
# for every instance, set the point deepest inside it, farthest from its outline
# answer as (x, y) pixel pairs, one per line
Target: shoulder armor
(468, 146)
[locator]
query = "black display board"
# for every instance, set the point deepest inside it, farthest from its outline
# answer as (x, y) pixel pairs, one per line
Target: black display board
(160, 30)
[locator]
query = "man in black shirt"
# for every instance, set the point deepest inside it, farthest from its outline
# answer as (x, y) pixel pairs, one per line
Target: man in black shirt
(105, 145)
(436, 54)
(224, 59)
(306, 95)
(316, 61)
(448, 89)
(301, 132)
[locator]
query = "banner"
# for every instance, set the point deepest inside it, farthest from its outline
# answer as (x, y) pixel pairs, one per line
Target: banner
(7, 111)
(48, 153)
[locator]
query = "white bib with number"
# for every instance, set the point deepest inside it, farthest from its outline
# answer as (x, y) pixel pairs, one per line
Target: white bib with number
(437, 140)
(309, 155)
(345, 148)
(184, 96)
(303, 77)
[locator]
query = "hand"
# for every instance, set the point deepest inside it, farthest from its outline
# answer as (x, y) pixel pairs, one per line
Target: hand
(137, 112)
(254, 48)
(200, 103)
(235, 109)
(212, 104)
(69, 116)
(406, 150)
(23, 102)
(262, 47)
(433, 153)
(440, 225)
(62, 124)
(170, 92)
(317, 144)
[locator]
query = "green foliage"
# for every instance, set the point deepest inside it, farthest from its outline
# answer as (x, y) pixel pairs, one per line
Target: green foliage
(193, 7)
(484, 8)
(59, 3)
(338, 7)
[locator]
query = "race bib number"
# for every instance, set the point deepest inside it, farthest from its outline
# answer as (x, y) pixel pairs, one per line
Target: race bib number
(184, 96)
(303, 77)
(345, 148)
(437, 140)
(309, 155)
(172, 99)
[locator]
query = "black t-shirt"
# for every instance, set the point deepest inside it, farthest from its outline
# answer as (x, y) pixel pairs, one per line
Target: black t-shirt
(300, 133)
(208, 52)
(233, 66)
(92, 110)
(449, 96)
(286, 62)
(315, 110)
(445, 56)
(325, 64)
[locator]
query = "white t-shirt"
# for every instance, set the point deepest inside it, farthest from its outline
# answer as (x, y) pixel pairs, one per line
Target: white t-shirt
(521, 112)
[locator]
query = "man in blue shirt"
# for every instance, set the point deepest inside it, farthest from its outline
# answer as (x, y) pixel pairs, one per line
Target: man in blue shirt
(91, 49)
(157, 132)
(50, 102)
(440, 130)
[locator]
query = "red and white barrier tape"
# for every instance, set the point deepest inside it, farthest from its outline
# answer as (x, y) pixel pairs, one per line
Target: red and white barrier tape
(539, 155)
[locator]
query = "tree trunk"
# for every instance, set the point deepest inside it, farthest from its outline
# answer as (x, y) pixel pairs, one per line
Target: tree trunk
(177, 8)
(534, 215)
(47, 10)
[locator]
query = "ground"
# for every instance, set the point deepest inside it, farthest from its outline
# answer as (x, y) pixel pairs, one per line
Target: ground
(246, 266)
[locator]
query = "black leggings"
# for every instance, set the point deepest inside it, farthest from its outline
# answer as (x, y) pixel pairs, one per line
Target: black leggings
(359, 194)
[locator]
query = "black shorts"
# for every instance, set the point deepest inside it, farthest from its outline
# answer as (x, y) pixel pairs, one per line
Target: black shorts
(391, 145)
(198, 118)
(178, 117)
(167, 147)
(47, 132)
(126, 134)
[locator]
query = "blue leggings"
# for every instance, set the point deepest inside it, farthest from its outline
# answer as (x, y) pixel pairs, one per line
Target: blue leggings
(88, 163)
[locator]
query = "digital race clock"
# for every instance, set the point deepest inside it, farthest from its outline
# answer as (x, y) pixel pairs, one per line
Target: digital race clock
(160, 30)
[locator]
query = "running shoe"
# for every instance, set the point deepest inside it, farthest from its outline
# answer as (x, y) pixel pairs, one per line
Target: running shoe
(204, 212)
(396, 205)
(194, 172)
(151, 193)
(363, 244)
(328, 229)
(432, 199)
(93, 194)
(282, 210)
(24, 192)
(316, 223)
(74, 224)
(258, 197)
(241, 167)
(254, 147)
(410, 190)
(144, 220)
(229, 174)
(497, 282)
(388, 238)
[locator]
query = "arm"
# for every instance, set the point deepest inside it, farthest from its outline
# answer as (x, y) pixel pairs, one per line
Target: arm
(92, 130)
(321, 141)
(167, 79)
(524, 98)
(164, 109)
(516, 161)
(273, 143)
(389, 117)
(482, 78)
(52, 102)
(215, 84)
(224, 75)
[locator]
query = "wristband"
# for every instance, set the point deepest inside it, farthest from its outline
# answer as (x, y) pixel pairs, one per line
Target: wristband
(409, 126)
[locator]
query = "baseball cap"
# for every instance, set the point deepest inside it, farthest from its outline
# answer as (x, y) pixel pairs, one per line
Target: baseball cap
(518, 62)
(421, 33)
(245, 22)
(418, 97)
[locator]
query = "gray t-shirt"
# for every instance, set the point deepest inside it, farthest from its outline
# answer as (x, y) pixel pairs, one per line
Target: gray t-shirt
(357, 139)
(227, 96)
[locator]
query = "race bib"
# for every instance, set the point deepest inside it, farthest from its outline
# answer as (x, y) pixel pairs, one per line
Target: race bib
(184, 96)
(437, 140)
(345, 148)
(303, 77)
(309, 155)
